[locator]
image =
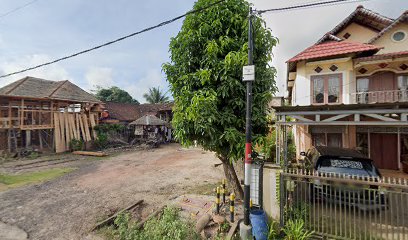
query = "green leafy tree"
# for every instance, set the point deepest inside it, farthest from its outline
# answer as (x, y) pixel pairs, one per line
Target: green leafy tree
(114, 94)
(205, 73)
(155, 95)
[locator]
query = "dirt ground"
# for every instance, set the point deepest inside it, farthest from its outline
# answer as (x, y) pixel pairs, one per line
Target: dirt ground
(68, 207)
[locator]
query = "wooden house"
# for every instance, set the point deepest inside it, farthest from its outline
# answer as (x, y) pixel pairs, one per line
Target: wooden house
(44, 114)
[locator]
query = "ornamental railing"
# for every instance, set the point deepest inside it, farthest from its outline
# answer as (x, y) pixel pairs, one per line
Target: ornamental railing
(389, 96)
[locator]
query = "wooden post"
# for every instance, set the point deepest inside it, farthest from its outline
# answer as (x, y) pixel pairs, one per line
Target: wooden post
(40, 114)
(28, 138)
(40, 138)
(52, 114)
(9, 115)
(22, 113)
(9, 139)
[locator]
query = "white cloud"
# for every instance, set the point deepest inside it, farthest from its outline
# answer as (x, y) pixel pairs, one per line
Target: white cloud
(51, 72)
(99, 76)
(152, 78)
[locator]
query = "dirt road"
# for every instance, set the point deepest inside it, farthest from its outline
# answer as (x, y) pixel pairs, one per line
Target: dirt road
(68, 207)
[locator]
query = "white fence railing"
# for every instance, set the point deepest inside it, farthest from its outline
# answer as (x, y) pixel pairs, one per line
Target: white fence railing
(388, 96)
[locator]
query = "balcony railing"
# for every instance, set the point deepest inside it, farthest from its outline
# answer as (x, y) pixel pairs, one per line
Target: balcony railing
(389, 96)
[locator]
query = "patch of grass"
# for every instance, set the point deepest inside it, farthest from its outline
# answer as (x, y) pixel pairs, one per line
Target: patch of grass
(8, 181)
(168, 226)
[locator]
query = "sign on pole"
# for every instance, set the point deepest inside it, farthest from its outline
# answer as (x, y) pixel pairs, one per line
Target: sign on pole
(248, 73)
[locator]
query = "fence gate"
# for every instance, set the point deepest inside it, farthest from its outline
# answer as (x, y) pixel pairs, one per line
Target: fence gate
(345, 207)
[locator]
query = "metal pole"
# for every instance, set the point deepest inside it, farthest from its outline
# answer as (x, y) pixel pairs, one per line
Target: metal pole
(223, 191)
(217, 201)
(248, 129)
(232, 207)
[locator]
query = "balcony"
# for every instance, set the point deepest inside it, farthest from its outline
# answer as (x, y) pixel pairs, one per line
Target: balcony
(388, 96)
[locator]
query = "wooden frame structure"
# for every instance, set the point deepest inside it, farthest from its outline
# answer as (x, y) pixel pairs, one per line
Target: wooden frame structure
(45, 124)
(47, 115)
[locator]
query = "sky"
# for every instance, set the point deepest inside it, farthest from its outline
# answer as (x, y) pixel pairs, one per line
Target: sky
(45, 30)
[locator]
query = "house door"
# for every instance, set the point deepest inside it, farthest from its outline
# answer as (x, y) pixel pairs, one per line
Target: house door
(384, 150)
(379, 84)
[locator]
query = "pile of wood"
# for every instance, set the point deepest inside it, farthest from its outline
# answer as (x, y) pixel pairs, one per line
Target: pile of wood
(69, 126)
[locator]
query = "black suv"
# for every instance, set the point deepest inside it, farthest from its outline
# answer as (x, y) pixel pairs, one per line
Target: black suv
(344, 162)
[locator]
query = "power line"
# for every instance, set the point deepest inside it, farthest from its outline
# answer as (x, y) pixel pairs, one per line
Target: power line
(17, 8)
(308, 5)
(116, 40)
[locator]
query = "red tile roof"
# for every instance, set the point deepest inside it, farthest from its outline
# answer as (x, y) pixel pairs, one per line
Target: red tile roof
(328, 49)
(382, 56)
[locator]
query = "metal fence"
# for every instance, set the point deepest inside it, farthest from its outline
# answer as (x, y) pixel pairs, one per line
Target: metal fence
(345, 207)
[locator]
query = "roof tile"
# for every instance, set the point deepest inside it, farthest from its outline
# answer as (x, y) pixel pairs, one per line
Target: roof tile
(328, 49)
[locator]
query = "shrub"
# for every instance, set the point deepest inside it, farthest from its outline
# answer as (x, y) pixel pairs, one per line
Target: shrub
(168, 226)
(295, 230)
(274, 230)
(101, 141)
(108, 128)
(299, 210)
(269, 146)
(76, 145)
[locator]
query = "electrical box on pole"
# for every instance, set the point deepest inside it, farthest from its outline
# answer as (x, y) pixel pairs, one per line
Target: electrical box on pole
(248, 73)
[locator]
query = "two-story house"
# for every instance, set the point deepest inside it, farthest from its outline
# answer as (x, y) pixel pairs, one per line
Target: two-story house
(350, 89)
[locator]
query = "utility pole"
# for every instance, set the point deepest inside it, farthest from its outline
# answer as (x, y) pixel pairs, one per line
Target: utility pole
(248, 77)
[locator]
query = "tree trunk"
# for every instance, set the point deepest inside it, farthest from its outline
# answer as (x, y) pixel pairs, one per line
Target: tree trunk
(232, 178)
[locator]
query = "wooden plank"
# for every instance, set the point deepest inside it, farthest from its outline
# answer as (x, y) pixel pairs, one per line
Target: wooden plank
(57, 134)
(67, 131)
(77, 126)
(82, 127)
(62, 130)
(93, 124)
(87, 153)
(72, 126)
(233, 229)
(111, 219)
(86, 126)
(154, 214)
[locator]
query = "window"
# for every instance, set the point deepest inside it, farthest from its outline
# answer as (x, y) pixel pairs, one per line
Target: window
(318, 90)
(362, 90)
(403, 82)
(362, 85)
(398, 36)
(326, 89)
(319, 139)
(403, 87)
(334, 89)
(327, 139)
